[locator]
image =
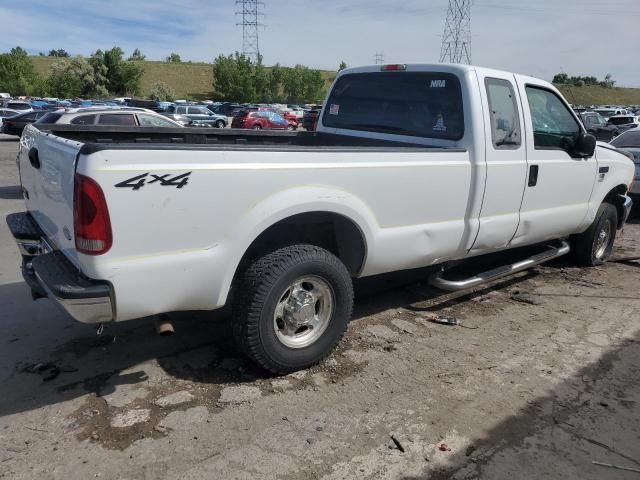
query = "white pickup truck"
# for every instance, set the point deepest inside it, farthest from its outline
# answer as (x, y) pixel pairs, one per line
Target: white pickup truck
(410, 166)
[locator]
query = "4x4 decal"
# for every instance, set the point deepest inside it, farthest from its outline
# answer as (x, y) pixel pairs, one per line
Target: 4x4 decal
(139, 181)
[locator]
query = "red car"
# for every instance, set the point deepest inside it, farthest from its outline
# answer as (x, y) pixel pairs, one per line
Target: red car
(288, 116)
(259, 120)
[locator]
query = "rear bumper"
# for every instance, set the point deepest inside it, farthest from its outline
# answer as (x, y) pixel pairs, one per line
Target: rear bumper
(50, 274)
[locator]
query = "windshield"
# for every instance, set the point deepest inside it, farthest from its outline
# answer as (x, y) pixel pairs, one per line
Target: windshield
(606, 113)
(630, 138)
(420, 104)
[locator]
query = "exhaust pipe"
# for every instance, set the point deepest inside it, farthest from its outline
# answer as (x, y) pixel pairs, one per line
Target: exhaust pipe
(164, 327)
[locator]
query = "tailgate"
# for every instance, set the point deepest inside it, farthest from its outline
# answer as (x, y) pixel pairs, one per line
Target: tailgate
(47, 180)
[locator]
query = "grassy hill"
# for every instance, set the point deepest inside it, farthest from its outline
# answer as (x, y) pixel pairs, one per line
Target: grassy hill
(188, 80)
(193, 81)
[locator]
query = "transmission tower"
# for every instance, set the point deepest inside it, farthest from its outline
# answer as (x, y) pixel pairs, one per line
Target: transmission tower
(379, 58)
(250, 14)
(456, 41)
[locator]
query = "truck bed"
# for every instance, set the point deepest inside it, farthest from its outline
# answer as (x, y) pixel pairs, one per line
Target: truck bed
(98, 138)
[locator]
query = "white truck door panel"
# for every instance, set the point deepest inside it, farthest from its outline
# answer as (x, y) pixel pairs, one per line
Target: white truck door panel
(556, 202)
(506, 161)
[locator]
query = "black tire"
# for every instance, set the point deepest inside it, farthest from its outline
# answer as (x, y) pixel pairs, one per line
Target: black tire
(256, 127)
(588, 247)
(220, 124)
(259, 291)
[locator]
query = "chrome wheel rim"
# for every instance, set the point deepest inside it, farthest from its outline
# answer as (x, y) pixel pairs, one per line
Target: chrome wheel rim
(602, 242)
(303, 311)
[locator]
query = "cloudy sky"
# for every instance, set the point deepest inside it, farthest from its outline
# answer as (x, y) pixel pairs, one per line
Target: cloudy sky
(539, 38)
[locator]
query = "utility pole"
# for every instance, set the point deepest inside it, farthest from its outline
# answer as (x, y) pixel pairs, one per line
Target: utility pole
(250, 12)
(456, 41)
(379, 58)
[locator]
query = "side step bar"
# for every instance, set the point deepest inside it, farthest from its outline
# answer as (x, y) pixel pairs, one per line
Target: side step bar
(490, 275)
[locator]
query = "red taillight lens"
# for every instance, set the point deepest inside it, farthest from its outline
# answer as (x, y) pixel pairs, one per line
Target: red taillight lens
(397, 67)
(90, 217)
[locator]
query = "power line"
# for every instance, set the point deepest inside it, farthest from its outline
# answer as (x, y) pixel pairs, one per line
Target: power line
(456, 41)
(379, 58)
(250, 14)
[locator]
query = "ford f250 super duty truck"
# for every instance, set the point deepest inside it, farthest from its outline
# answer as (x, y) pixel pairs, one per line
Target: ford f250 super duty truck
(410, 166)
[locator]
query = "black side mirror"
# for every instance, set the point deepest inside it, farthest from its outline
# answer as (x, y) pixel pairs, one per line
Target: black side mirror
(585, 145)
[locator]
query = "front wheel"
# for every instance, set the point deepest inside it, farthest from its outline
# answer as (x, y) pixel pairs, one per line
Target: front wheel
(220, 124)
(256, 127)
(594, 246)
(292, 307)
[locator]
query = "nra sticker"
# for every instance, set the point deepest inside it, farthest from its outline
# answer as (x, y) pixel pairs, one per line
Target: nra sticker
(438, 83)
(334, 109)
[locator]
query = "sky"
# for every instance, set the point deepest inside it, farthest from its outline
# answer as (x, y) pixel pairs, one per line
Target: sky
(534, 37)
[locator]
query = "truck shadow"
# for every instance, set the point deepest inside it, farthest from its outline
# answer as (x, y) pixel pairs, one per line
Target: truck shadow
(48, 358)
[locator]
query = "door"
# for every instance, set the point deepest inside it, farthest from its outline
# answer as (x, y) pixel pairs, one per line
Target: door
(506, 163)
(559, 183)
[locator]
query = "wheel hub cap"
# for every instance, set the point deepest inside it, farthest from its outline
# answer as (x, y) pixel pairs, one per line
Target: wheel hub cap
(303, 312)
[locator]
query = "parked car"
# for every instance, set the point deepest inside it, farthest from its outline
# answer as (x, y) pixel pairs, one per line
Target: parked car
(19, 105)
(259, 120)
(199, 115)
(629, 141)
(411, 166)
(110, 116)
(153, 105)
(597, 126)
(310, 118)
(7, 112)
(226, 109)
(624, 122)
(14, 125)
(181, 119)
(610, 112)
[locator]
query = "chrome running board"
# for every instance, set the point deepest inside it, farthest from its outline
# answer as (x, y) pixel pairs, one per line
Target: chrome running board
(490, 275)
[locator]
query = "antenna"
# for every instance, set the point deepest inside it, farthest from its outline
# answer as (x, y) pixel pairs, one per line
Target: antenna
(250, 12)
(379, 58)
(456, 41)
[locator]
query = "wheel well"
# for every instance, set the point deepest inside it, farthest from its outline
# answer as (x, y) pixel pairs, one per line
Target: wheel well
(331, 231)
(613, 197)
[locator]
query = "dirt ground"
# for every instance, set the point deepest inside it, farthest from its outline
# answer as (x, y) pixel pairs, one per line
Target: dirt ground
(540, 380)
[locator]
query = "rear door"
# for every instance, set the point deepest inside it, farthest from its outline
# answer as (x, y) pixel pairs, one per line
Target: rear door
(506, 162)
(47, 179)
(559, 184)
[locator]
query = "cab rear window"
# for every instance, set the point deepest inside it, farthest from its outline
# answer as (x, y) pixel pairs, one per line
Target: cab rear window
(419, 104)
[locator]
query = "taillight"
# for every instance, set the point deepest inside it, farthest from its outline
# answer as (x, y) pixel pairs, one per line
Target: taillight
(91, 221)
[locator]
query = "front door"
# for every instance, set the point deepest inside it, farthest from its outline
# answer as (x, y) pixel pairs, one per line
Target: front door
(559, 184)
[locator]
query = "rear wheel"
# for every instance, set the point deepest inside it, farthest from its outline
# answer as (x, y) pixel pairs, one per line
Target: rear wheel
(256, 127)
(292, 307)
(220, 124)
(594, 246)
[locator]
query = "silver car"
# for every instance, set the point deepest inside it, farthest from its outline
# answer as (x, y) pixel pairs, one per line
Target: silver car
(199, 114)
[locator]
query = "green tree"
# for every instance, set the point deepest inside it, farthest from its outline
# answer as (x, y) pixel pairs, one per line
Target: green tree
(162, 92)
(59, 53)
(561, 79)
(342, 66)
(136, 56)
(608, 82)
(174, 58)
(121, 77)
(233, 78)
(17, 75)
(75, 77)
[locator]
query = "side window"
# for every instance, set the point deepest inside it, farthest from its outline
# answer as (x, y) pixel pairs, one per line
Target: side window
(115, 119)
(589, 120)
(181, 110)
(503, 109)
(151, 121)
(84, 120)
(553, 125)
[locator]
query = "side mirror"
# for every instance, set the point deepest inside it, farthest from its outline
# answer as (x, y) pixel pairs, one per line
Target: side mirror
(585, 145)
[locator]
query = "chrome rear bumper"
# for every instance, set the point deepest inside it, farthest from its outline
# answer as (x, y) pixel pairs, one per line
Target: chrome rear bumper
(50, 274)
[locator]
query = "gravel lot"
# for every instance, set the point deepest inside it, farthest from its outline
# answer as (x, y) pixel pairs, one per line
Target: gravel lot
(543, 380)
